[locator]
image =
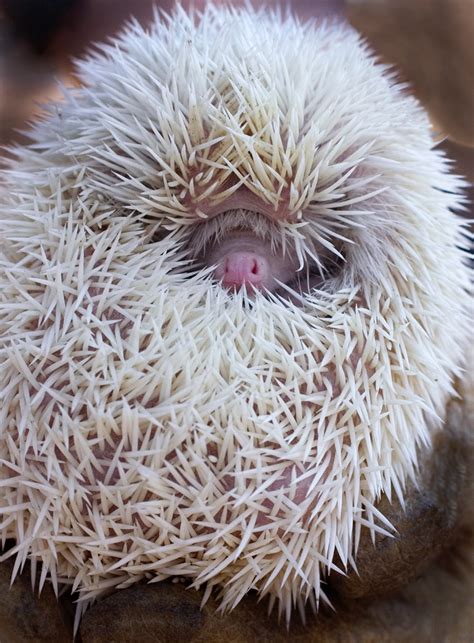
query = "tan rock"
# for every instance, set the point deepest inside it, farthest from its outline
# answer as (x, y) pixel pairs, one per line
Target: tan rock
(432, 42)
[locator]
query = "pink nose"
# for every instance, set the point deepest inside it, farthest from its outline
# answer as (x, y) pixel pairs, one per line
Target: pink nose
(240, 267)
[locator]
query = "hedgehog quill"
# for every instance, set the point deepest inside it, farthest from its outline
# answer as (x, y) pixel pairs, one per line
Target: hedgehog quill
(233, 302)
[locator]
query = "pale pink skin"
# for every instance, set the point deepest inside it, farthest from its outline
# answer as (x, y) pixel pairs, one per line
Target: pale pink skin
(243, 259)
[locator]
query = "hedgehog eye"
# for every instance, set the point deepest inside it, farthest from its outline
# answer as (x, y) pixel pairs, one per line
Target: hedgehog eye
(318, 273)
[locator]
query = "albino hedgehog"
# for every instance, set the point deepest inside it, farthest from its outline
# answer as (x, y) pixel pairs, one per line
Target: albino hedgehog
(233, 302)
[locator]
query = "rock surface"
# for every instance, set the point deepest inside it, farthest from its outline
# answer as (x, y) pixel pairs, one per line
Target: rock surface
(437, 608)
(26, 616)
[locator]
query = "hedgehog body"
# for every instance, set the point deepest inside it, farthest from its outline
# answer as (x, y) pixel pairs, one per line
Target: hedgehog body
(154, 424)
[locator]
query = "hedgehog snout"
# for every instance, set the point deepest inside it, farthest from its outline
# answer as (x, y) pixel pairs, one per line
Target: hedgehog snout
(243, 259)
(242, 267)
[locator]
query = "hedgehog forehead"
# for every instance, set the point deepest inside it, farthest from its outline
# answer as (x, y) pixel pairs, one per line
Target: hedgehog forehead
(230, 221)
(191, 113)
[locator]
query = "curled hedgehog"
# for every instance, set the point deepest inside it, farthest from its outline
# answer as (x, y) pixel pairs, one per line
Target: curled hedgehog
(234, 300)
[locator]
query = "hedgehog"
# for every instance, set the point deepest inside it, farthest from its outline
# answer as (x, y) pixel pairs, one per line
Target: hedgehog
(234, 299)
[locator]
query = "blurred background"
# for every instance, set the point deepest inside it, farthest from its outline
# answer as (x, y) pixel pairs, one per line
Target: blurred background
(430, 41)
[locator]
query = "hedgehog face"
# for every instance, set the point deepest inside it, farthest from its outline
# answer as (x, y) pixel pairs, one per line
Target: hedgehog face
(159, 418)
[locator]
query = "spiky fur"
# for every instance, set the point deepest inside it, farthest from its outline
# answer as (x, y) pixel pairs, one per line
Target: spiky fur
(154, 425)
